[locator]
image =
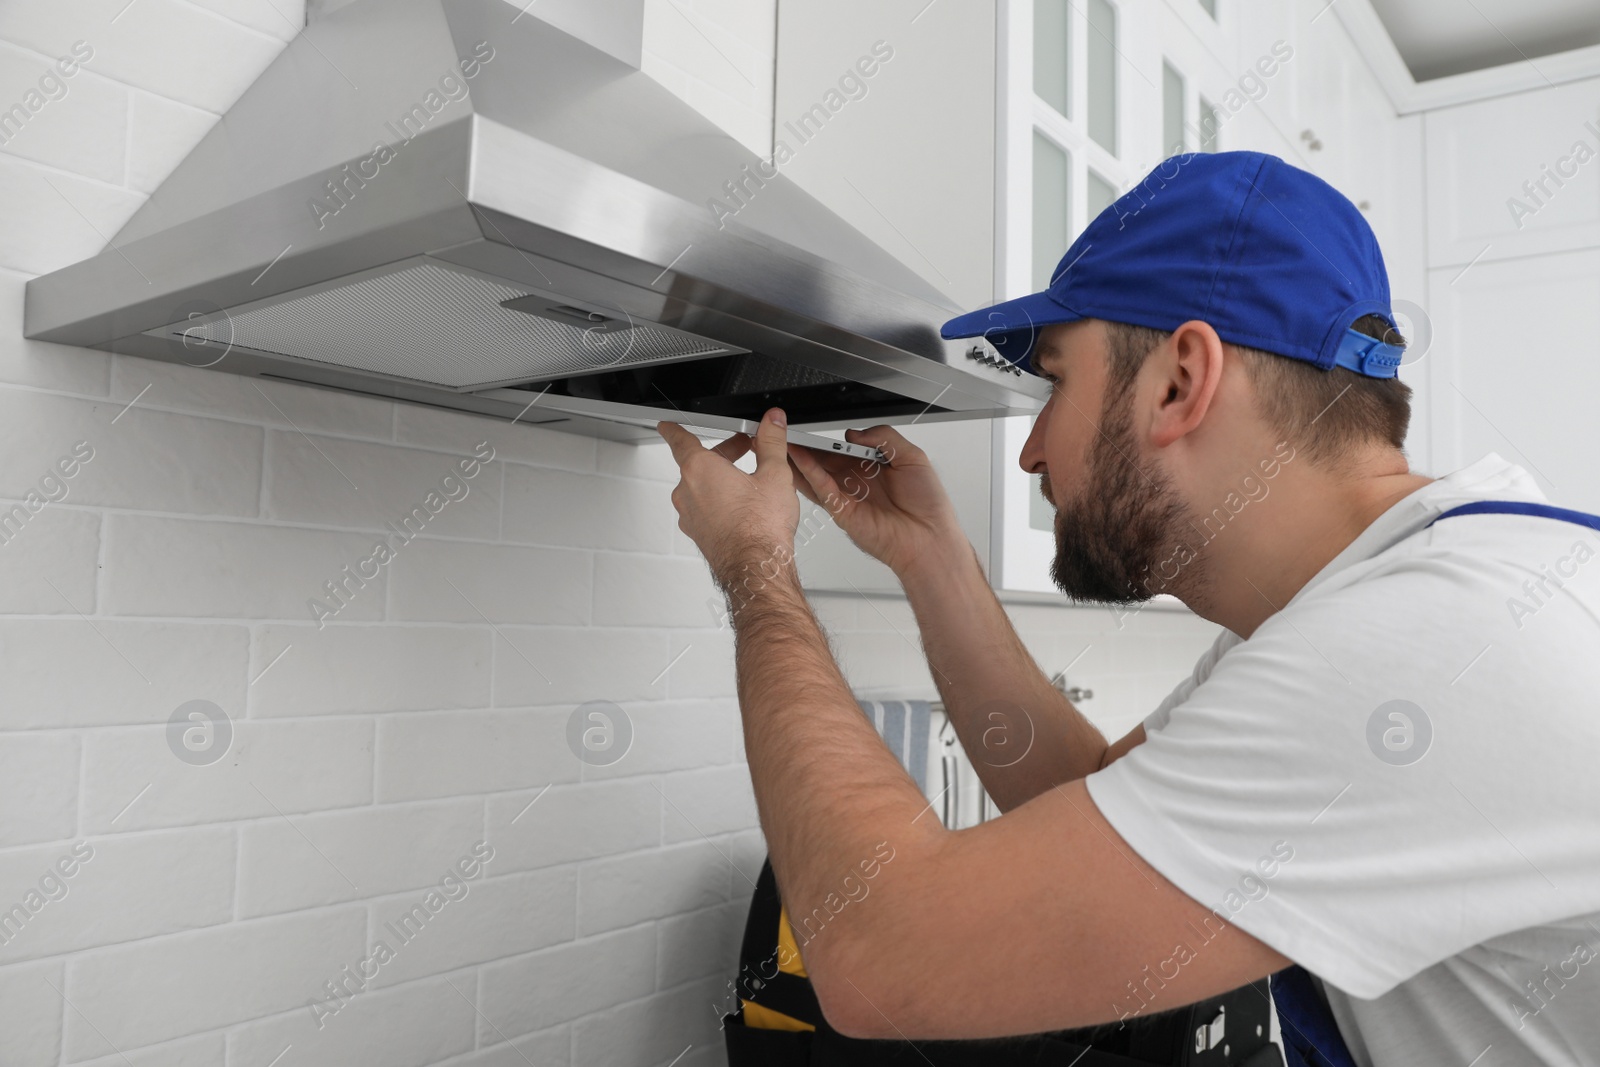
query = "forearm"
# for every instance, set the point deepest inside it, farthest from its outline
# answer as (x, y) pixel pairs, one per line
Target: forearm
(1022, 734)
(830, 795)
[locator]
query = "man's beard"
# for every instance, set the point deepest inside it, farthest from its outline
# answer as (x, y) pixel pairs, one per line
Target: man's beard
(1109, 540)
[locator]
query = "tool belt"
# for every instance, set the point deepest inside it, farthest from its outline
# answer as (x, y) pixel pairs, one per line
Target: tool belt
(778, 1022)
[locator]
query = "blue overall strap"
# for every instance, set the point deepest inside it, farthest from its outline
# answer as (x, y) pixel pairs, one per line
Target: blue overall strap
(1521, 507)
(1310, 1036)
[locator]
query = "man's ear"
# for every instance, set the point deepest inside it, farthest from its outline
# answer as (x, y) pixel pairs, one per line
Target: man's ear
(1189, 366)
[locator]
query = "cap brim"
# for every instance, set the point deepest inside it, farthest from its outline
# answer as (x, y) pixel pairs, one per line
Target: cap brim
(1011, 327)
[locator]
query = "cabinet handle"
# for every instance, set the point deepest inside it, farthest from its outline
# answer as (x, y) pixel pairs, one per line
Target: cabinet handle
(1073, 693)
(1312, 141)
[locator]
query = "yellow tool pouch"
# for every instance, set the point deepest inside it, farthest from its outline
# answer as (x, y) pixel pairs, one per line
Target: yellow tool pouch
(779, 1023)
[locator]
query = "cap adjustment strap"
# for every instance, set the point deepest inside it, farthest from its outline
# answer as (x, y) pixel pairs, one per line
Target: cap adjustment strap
(1368, 355)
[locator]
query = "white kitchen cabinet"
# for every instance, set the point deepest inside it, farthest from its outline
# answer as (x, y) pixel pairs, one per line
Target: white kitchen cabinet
(1325, 129)
(1486, 162)
(1321, 108)
(1269, 121)
(1056, 169)
(1197, 60)
(1513, 220)
(1299, 72)
(1517, 372)
(910, 162)
(908, 156)
(1218, 31)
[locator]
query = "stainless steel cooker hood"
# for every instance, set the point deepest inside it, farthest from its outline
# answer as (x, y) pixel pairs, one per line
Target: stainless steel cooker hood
(455, 202)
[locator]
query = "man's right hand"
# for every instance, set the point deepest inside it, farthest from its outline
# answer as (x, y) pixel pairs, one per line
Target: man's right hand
(897, 512)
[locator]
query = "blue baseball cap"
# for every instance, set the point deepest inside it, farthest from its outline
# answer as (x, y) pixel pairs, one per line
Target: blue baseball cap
(1271, 256)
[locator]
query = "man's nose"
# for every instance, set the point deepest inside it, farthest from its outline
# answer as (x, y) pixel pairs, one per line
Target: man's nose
(1032, 458)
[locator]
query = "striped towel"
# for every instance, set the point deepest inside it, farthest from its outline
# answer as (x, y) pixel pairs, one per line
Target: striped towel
(903, 724)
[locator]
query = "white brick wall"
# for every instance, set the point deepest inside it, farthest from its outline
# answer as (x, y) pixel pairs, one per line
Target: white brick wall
(369, 755)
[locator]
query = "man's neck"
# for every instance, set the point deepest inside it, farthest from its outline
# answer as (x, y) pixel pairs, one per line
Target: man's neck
(1295, 532)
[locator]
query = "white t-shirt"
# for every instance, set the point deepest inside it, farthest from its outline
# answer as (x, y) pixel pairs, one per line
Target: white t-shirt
(1449, 904)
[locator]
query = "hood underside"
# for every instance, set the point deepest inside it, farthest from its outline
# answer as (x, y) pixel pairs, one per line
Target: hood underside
(454, 202)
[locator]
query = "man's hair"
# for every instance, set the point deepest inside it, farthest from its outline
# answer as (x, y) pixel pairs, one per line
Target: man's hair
(1328, 415)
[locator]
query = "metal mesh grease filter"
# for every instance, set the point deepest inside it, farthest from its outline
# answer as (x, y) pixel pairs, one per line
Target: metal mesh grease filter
(441, 327)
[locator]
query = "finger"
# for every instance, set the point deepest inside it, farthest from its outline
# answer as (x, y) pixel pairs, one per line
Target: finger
(733, 447)
(835, 463)
(896, 448)
(683, 443)
(772, 446)
(801, 486)
(824, 489)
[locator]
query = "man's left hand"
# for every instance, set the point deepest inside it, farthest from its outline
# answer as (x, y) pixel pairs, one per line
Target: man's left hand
(737, 520)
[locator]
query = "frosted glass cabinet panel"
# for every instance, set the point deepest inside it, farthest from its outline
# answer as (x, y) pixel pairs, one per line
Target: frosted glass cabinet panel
(1102, 66)
(1052, 54)
(1172, 141)
(1052, 215)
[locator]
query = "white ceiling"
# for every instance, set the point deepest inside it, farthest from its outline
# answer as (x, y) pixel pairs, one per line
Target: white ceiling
(1442, 37)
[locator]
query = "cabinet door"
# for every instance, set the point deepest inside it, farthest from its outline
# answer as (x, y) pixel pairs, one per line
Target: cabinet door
(1324, 128)
(1514, 176)
(1320, 108)
(1520, 374)
(1267, 118)
(907, 153)
(1513, 218)
(908, 158)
